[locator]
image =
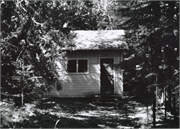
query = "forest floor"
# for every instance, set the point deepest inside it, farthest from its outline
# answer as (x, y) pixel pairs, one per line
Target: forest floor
(82, 113)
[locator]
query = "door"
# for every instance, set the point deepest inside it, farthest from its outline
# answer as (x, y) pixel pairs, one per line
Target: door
(107, 76)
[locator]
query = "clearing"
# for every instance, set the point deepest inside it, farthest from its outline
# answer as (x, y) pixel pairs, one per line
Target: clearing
(81, 113)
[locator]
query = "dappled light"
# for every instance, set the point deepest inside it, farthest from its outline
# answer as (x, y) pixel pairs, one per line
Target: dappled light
(85, 84)
(53, 64)
(83, 113)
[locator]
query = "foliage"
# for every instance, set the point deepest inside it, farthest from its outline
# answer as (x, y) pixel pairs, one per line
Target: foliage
(78, 113)
(153, 38)
(33, 35)
(10, 115)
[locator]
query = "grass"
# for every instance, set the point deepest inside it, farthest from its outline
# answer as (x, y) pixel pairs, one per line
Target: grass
(80, 113)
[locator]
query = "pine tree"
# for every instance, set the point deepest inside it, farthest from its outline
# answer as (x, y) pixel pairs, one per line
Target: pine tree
(153, 41)
(32, 37)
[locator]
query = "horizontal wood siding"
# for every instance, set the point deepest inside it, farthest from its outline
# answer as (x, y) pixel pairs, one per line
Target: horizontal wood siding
(87, 84)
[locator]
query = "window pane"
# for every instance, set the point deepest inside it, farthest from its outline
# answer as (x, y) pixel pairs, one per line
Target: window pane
(82, 65)
(71, 67)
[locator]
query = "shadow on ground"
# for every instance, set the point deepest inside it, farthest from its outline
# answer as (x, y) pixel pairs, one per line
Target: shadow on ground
(82, 113)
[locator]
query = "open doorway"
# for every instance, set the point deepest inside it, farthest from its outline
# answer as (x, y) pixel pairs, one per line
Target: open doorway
(107, 75)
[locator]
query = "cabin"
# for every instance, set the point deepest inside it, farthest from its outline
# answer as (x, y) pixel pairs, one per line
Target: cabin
(91, 66)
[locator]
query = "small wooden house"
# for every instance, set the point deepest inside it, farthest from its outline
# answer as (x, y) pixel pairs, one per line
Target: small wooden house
(92, 65)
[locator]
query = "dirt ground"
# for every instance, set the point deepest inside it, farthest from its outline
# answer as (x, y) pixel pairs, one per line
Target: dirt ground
(83, 113)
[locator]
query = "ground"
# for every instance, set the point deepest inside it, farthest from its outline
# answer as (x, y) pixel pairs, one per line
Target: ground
(81, 113)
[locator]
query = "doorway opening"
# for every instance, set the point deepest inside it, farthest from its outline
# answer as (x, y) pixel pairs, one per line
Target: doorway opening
(107, 75)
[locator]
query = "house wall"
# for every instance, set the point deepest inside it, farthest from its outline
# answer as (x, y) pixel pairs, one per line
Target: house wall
(88, 84)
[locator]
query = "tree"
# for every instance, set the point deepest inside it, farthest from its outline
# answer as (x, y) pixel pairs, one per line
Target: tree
(33, 35)
(153, 42)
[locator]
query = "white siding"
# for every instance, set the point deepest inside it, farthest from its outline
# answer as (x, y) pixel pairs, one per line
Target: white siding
(88, 84)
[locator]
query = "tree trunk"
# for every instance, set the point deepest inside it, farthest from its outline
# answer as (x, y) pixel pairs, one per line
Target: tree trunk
(154, 108)
(169, 99)
(22, 99)
(147, 111)
(174, 107)
(165, 115)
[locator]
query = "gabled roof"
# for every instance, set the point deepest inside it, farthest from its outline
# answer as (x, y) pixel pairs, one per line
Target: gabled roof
(99, 40)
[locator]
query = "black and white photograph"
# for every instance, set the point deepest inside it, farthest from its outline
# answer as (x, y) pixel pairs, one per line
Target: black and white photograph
(89, 64)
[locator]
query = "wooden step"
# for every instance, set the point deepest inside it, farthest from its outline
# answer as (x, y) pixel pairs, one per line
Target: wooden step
(107, 95)
(106, 99)
(104, 103)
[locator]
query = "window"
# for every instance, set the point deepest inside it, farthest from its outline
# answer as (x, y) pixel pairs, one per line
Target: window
(71, 66)
(82, 65)
(77, 66)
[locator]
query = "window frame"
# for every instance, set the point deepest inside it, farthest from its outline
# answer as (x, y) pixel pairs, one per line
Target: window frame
(77, 64)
